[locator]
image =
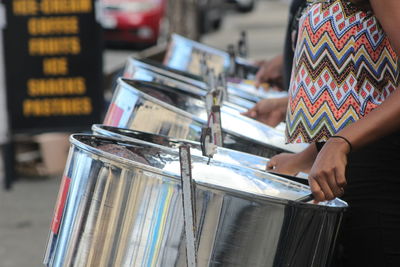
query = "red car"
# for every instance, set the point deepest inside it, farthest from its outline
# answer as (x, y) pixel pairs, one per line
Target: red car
(134, 21)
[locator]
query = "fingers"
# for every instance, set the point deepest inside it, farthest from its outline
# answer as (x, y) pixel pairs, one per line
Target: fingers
(246, 113)
(259, 63)
(316, 190)
(266, 111)
(252, 113)
(284, 163)
(271, 165)
(258, 79)
(261, 76)
(325, 186)
(327, 175)
(274, 118)
(275, 87)
(335, 189)
(340, 177)
(336, 182)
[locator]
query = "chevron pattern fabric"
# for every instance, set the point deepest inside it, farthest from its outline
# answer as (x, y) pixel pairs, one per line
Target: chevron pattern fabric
(344, 67)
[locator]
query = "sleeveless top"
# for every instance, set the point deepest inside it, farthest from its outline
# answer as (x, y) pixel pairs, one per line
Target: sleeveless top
(343, 68)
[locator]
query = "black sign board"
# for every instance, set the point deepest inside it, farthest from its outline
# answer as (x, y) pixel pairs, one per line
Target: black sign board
(53, 64)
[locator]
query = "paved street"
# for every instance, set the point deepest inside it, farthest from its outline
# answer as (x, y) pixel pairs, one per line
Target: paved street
(26, 210)
(265, 27)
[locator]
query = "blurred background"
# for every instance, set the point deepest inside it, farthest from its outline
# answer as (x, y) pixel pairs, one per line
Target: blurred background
(35, 144)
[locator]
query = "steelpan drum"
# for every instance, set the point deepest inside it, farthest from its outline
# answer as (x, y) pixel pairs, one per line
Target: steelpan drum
(120, 204)
(132, 107)
(239, 92)
(186, 54)
(222, 154)
(140, 70)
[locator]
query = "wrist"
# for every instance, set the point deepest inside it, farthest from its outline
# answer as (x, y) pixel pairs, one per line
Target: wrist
(305, 159)
(340, 143)
(281, 103)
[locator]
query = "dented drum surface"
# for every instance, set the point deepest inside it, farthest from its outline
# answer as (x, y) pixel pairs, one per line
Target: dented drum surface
(121, 206)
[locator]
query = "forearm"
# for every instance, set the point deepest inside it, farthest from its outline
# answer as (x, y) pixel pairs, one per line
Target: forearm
(380, 122)
(281, 103)
(386, 118)
(307, 158)
(388, 14)
(291, 164)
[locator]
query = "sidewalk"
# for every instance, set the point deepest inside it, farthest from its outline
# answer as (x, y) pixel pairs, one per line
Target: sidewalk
(265, 28)
(25, 214)
(26, 210)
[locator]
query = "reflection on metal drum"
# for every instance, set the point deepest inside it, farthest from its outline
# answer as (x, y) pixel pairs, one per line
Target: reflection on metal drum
(162, 110)
(121, 108)
(223, 154)
(120, 212)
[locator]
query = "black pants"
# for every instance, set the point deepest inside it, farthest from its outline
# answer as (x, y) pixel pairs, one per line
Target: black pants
(371, 230)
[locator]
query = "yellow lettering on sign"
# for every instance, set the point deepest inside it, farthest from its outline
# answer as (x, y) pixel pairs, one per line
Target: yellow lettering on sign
(25, 7)
(65, 6)
(53, 25)
(56, 86)
(55, 66)
(54, 46)
(57, 107)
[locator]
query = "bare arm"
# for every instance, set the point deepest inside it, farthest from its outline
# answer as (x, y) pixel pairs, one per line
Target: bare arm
(270, 111)
(380, 122)
(327, 176)
(288, 163)
(388, 14)
(386, 118)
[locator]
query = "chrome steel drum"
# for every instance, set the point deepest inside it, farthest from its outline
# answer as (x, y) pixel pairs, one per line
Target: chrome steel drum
(239, 92)
(121, 205)
(134, 64)
(222, 154)
(139, 70)
(132, 108)
(185, 54)
(186, 100)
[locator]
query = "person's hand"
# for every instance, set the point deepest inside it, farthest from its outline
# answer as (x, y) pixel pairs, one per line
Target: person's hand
(285, 163)
(327, 176)
(271, 71)
(291, 164)
(270, 111)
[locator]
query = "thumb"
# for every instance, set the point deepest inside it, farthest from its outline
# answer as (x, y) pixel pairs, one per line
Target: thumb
(259, 63)
(271, 165)
(252, 113)
(258, 80)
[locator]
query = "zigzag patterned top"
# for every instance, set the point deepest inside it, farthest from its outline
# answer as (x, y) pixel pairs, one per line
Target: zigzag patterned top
(344, 67)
